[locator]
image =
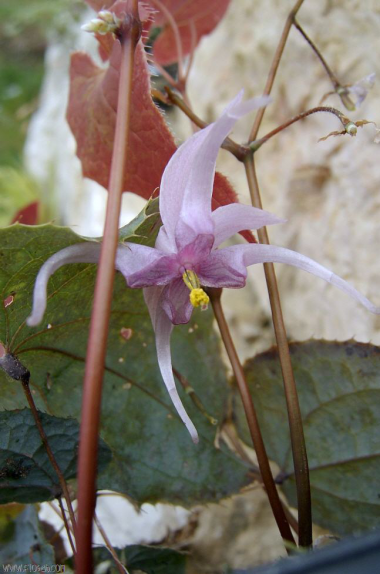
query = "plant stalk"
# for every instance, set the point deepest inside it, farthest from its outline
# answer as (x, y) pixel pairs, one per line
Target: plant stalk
(66, 524)
(96, 351)
(256, 144)
(301, 467)
(53, 460)
(274, 66)
(250, 413)
(327, 68)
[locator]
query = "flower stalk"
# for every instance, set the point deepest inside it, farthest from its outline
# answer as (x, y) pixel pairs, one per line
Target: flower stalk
(301, 467)
(54, 463)
(128, 35)
(349, 127)
(274, 66)
(294, 413)
(250, 413)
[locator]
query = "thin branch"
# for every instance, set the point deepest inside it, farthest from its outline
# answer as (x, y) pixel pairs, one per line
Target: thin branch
(329, 72)
(53, 460)
(121, 568)
(294, 414)
(250, 413)
(67, 526)
(129, 35)
(274, 67)
(239, 151)
(256, 144)
(165, 74)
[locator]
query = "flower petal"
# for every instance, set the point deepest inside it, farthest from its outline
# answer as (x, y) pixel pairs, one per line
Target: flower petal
(224, 268)
(152, 297)
(196, 251)
(187, 182)
(163, 328)
(252, 254)
(230, 219)
(175, 301)
(360, 89)
(143, 266)
(79, 253)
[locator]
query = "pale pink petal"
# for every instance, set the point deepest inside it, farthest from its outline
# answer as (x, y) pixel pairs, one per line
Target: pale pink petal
(196, 205)
(239, 256)
(163, 242)
(224, 268)
(175, 301)
(152, 297)
(143, 266)
(80, 253)
(230, 219)
(360, 89)
(187, 182)
(196, 251)
(163, 329)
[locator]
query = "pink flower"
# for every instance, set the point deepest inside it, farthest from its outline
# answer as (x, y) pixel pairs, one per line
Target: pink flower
(187, 254)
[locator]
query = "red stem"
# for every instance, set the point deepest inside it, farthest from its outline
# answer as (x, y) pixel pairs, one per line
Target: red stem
(96, 350)
(253, 423)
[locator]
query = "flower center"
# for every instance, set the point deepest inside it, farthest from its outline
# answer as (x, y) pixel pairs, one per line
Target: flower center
(198, 298)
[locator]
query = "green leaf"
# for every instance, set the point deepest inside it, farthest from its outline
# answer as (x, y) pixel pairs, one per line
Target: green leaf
(339, 392)
(26, 473)
(154, 458)
(147, 559)
(155, 560)
(28, 545)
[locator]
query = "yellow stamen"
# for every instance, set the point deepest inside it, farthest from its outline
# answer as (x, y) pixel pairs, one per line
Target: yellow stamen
(198, 298)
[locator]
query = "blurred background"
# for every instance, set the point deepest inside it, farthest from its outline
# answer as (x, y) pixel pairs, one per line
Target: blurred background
(329, 191)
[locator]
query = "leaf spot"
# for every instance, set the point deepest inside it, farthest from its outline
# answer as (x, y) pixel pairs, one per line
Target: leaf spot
(8, 301)
(126, 333)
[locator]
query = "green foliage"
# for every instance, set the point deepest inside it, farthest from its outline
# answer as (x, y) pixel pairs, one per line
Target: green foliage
(26, 473)
(41, 16)
(339, 392)
(16, 191)
(28, 545)
(147, 559)
(154, 458)
(20, 80)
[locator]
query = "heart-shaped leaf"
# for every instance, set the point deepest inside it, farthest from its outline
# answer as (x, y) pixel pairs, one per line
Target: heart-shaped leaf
(26, 473)
(339, 392)
(153, 456)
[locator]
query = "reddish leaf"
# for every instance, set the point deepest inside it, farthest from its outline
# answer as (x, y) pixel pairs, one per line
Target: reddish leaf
(92, 114)
(203, 16)
(27, 215)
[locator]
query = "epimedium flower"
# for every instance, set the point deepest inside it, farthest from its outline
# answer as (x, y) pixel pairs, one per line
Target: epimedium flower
(187, 255)
(353, 95)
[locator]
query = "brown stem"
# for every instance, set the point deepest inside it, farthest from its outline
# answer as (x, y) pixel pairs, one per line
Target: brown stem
(274, 67)
(53, 461)
(121, 568)
(250, 413)
(329, 72)
(67, 526)
(254, 145)
(301, 468)
(93, 379)
(239, 151)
